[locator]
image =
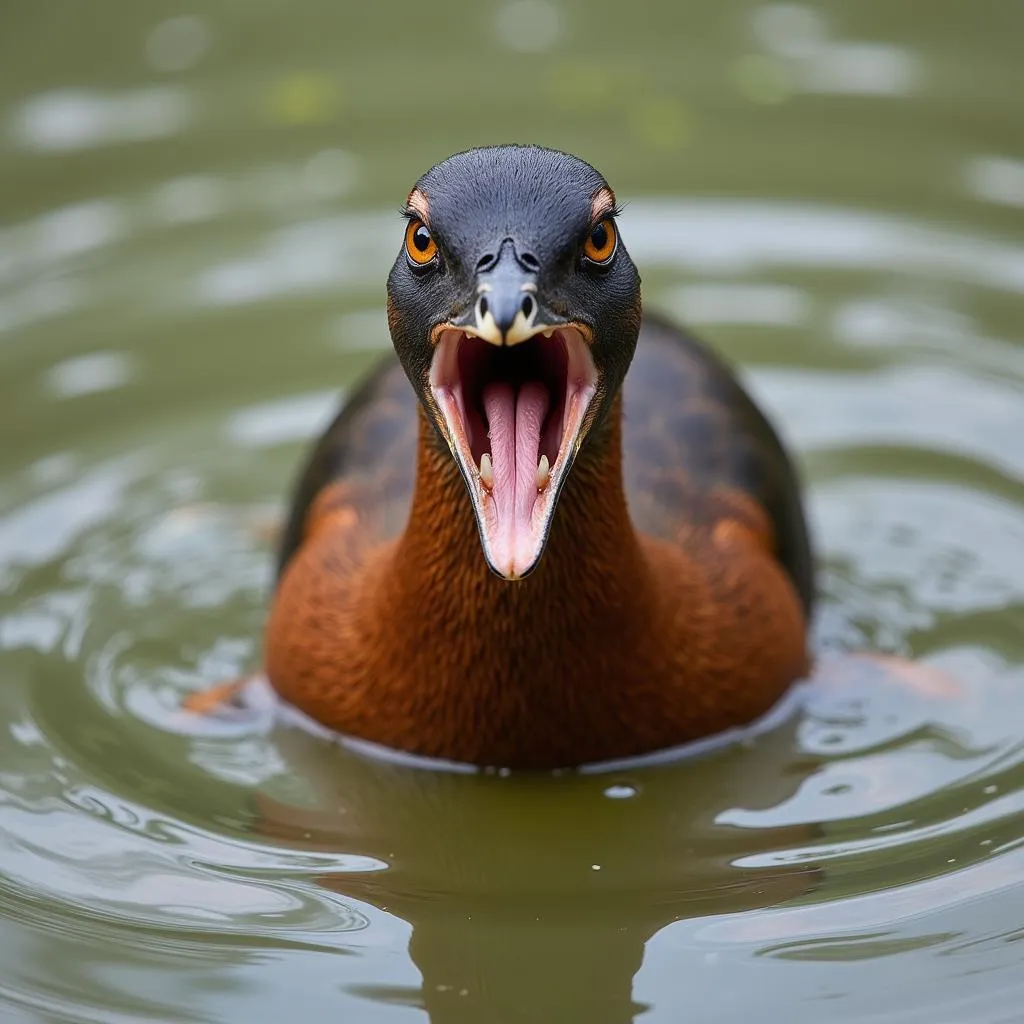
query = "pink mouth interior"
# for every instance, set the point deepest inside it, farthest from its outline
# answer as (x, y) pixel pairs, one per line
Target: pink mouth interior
(513, 415)
(513, 403)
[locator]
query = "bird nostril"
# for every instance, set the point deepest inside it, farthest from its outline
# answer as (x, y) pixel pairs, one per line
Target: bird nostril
(527, 307)
(482, 305)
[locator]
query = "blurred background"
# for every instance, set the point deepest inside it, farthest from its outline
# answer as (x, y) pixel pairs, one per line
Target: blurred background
(198, 208)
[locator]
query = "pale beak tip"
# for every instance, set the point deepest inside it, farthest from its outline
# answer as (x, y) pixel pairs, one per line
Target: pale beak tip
(508, 570)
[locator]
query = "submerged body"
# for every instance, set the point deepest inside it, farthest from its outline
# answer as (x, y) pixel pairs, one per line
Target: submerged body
(671, 601)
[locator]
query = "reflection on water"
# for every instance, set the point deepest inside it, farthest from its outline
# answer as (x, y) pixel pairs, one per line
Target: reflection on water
(196, 218)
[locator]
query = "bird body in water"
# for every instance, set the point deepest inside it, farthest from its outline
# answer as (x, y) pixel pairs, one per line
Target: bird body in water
(507, 551)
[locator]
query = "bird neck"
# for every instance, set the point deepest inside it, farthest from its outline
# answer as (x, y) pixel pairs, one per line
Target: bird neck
(592, 568)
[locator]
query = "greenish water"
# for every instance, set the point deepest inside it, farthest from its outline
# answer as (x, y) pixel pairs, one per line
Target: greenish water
(196, 218)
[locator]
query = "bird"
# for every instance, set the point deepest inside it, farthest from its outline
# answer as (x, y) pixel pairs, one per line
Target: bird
(552, 528)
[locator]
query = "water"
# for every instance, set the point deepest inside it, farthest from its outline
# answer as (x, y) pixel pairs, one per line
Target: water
(196, 217)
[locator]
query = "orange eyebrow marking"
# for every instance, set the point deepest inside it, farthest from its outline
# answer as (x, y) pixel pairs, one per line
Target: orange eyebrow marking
(419, 204)
(602, 203)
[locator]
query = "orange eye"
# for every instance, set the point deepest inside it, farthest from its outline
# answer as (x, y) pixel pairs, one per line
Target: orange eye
(419, 244)
(600, 244)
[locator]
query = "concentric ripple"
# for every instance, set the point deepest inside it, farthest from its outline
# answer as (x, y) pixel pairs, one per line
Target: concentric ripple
(191, 272)
(875, 819)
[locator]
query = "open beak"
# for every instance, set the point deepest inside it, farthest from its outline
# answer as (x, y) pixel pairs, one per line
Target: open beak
(513, 396)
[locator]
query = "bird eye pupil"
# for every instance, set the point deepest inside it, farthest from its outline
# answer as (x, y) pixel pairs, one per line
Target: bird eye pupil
(421, 239)
(599, 236)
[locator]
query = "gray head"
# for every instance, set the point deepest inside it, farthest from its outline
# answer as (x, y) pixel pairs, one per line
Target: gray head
(514, 308)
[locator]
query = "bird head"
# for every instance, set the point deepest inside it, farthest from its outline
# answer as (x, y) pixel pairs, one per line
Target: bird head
(514, 309)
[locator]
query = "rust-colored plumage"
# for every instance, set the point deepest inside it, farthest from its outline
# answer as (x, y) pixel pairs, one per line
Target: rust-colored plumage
(618, 643)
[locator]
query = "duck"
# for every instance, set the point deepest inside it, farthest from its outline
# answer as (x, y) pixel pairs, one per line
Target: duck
(552, 528)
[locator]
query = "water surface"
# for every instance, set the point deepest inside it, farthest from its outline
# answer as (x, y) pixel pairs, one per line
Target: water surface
(197, 212)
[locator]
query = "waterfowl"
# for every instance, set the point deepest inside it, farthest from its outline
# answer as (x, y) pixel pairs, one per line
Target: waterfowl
(507, 550)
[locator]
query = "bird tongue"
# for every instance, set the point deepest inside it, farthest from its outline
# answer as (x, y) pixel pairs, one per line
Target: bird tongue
(514, 421)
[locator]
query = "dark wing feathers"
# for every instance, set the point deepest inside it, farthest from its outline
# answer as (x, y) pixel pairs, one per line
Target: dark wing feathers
(690, 428)
(371, 444)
